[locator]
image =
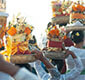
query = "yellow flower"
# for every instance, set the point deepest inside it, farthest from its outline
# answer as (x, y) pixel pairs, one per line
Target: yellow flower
(77, 34)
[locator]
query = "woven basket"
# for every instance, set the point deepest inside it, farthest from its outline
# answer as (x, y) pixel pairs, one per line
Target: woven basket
(60, 19)
(20, 59)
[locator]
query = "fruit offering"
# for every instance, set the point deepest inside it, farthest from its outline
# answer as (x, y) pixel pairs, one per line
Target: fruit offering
(78, 13)
(17, 37)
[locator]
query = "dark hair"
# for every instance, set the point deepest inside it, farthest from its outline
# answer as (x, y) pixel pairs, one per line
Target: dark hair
(77, 36)
(49, 24)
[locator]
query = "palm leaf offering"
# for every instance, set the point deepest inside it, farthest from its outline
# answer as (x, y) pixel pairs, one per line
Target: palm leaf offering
(18, 35)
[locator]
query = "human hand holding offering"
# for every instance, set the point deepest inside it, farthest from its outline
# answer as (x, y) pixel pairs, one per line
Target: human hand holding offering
(68, 52)
(38, 54)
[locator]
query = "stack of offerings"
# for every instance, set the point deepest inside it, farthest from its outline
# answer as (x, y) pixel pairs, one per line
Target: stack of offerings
(56, 37)
(17, 37)
(59, 10)
(77, 17)
(3, 21)
(78, 13)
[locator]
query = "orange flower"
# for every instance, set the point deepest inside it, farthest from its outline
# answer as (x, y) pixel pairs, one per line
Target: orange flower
(82, 8)
(57, 32)
(74, 8)
(60, 10)
(53, 9)
(64, 37)
(52, 32)
(79, 7)
(12, 31)
(27, 30)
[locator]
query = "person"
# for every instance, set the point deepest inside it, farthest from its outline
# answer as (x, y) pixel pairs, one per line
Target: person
(54, 73)
(9, 71)
(78, 38)
(59, 62)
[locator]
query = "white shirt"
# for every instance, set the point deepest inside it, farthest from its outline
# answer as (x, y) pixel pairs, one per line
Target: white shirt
(55, 75)
(22, 74)
(79, 53)
(42, 74)
(4, 76)
(70, 62)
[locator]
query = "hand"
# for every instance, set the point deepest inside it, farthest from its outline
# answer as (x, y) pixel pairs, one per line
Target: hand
(44, 49)
(38, 54)
(69, 53)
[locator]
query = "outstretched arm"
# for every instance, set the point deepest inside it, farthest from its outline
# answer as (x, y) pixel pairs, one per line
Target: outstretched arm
(16, 72)
(75, 72)
(42, 74)
(39, 56)
(52, 70)
(72, 75)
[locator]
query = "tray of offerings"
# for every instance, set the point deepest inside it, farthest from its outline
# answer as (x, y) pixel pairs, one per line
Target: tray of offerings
(60, 11)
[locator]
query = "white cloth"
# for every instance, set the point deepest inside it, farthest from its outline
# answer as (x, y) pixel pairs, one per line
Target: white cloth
(74, 74)
(79, 53)
(42, 75)
(55, 75)
(24, 74)
(77, 23)
(70, 62)
(32, 64)
(4, 76)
